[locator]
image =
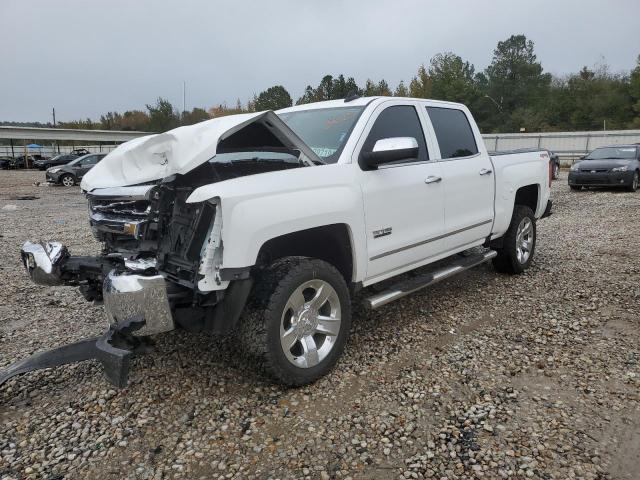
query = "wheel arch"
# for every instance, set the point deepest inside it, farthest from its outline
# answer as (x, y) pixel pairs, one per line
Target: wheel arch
(332, 243)
(528, 196)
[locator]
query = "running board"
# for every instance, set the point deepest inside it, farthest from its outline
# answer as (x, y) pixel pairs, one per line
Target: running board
(406, 287)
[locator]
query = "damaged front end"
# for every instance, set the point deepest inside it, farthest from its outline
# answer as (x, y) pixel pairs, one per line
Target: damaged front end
(161, 262)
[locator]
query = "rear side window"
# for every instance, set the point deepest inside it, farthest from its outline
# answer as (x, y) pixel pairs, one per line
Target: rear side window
(453, 132)
(398, 121)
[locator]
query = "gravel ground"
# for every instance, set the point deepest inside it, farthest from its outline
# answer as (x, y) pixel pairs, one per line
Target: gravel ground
(481, 376)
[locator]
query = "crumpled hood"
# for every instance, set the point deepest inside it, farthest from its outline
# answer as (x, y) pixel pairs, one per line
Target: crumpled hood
(182, 149)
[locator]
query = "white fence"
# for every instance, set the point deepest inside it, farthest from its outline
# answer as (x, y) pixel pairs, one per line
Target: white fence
(568, 145)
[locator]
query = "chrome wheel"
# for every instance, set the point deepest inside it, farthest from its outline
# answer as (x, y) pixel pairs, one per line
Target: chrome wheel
(524, 240)
(310, 323)
(68, 181)
(556, 170)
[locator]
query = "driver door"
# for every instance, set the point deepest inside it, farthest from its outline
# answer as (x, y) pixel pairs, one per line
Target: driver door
(403, 200)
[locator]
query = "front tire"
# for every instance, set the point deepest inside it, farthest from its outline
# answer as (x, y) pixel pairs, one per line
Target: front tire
(68, 180)
(297, 322)
(633, 186)
(519, 243)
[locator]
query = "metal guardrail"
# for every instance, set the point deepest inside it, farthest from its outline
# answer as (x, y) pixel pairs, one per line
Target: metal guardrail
(568, 144)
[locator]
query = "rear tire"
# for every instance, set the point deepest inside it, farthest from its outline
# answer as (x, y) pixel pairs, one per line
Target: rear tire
(518, 244)
(633, 186)
(556, 171)
(298, 320)
(68, 180)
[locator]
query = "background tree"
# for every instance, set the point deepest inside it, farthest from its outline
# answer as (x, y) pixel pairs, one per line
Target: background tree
(515, 79)
(401, 90)
(452, 79)
(135, 120)
(162, 116)
(420, 85)
(634, 92)
(273, 98)
(194, 116)
(513, 92)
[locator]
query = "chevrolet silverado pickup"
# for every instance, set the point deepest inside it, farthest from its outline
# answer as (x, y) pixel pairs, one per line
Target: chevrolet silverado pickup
(264, 225)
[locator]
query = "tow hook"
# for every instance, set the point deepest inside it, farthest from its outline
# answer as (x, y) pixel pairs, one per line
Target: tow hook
(113, 350)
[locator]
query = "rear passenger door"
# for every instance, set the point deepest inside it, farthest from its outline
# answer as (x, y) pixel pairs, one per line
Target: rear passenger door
(467, 177)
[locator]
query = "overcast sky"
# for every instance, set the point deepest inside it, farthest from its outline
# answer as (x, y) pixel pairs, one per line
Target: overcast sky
(89, 57)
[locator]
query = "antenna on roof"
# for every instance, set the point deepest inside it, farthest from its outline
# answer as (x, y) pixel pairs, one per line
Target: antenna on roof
(351, 96)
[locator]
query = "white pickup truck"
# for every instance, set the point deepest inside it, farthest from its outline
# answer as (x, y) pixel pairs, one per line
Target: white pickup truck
(265, 224)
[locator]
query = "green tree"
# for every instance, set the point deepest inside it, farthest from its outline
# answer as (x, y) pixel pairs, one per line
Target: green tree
(420, 85)
(273, 98)
(452, 79)
(194, 116)
(515, 77)
(634, 92)
(401, 90)
(135, 120)
(162, 116)
(111, 121)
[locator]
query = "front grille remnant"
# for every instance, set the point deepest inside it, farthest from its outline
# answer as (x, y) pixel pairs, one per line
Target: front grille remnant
(120, 217)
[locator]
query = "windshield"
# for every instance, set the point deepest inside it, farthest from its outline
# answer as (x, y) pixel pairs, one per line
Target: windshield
(612, 153)
(325, 130)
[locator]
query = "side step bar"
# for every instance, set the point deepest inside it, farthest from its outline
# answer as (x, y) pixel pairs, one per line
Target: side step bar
(406, 287)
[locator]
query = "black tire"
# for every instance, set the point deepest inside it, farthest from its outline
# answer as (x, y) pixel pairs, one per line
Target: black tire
(508, 260)
(633, 186)
(555, 172)
(259, 330)
(67, 180)
(575, 187)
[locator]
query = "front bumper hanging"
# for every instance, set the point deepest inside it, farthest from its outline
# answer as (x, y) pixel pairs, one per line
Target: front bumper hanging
(113, 350)
(136, 306)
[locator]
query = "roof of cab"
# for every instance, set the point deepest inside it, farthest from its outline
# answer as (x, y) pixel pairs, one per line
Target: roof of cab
(358, 102)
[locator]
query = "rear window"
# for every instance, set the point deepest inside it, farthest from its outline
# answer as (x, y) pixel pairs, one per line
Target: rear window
(453, 132)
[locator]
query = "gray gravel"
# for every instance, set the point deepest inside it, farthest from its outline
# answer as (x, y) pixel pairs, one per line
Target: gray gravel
(482, 376)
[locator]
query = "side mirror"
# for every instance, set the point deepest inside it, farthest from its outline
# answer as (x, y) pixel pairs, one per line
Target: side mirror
(387, 150)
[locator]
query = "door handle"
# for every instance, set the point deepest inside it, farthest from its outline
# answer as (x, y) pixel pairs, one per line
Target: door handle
(432, 179)
(486, 171)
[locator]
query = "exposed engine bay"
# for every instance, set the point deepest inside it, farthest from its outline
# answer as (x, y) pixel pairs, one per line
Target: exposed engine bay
(154, 228)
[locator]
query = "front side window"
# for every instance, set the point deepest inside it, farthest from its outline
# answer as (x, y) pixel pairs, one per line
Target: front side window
(92, 160)
(453, 132)
(398, 121)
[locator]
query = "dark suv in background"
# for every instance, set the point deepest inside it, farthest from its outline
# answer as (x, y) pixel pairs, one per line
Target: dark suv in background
(615, 166)
(61, 159)
(71, 173)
